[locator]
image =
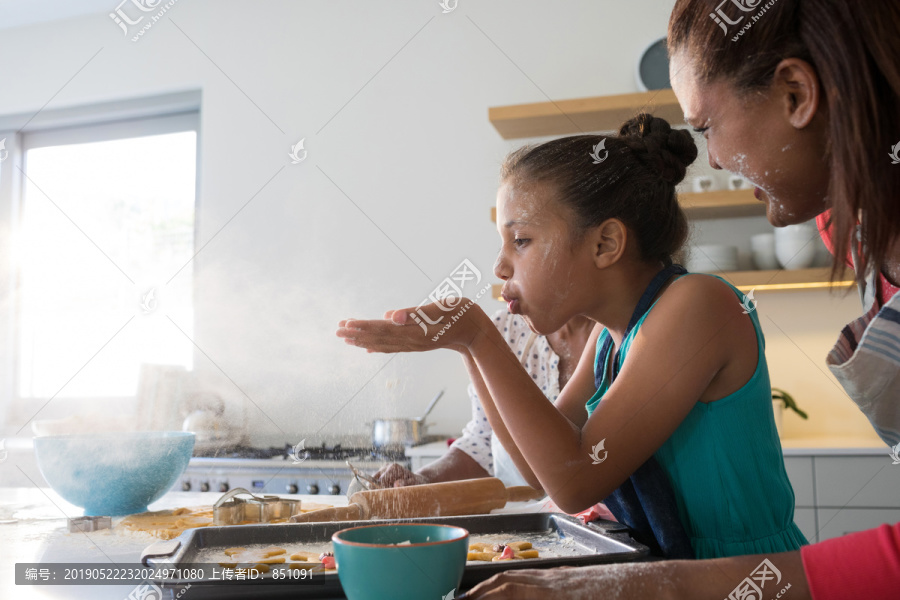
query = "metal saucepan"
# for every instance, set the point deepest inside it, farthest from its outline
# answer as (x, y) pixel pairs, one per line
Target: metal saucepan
(398, 433)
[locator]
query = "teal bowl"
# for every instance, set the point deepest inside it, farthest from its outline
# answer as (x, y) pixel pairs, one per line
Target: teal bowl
(371, 566)
(113, 473)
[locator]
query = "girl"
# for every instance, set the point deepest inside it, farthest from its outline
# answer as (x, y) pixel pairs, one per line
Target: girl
(675, 377)
(805, 105)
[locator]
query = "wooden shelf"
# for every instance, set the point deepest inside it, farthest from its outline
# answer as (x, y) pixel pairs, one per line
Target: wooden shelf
(712, 205)
(779, 279)
(722, 204)
(762, 281)
(601, 113)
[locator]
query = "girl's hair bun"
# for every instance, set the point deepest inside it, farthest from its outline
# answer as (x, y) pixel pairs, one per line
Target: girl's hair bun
(667, 151)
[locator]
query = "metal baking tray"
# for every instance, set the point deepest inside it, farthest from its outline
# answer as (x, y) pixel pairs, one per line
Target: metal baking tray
(598, 542)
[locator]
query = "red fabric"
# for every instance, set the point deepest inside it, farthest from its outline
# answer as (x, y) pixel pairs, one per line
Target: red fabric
(859, 565)
(597, 511)
(887, 289)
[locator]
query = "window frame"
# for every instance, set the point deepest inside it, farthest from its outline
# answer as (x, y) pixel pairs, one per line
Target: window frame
(156, 115)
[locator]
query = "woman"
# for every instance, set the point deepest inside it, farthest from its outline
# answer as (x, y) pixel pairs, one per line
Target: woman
(804, 104)
(549, 359)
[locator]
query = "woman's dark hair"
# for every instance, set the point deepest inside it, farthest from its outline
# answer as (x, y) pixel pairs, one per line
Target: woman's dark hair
(630, 177)
(855, 49)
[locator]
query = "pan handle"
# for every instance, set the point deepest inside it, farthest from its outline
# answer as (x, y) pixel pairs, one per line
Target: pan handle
(430, 406)
(160, 549)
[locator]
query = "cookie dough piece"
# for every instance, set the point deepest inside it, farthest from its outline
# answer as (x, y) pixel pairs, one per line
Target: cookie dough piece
(493, 552)
(244, 558)
(481, 555)
(167, 524)
(304, 557)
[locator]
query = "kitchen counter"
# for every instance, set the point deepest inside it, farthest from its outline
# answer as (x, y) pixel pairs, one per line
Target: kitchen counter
(33, 529)
(834, 446)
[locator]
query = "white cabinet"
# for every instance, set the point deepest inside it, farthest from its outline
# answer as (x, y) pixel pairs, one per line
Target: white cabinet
(857, 481)
(800, 472)
(836, 494)
(835, 522)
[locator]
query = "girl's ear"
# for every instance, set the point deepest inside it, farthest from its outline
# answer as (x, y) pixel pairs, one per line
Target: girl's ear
(609, 240)
(797, 82)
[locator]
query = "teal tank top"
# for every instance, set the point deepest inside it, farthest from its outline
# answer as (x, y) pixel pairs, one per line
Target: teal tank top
(725, 464)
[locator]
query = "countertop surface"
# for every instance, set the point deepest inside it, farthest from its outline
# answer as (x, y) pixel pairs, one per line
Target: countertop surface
(33, 530)
(834, 446)
(33, 524)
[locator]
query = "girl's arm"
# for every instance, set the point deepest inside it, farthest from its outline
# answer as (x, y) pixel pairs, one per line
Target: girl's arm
(697, 328)
(684, 343)
(582, 381)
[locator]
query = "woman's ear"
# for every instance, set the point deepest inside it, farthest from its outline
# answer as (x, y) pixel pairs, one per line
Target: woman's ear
(609, 240)
(796, 80)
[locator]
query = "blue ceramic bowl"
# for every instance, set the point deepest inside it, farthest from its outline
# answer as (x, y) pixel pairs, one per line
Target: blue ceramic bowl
(372, 567)
(113, 473)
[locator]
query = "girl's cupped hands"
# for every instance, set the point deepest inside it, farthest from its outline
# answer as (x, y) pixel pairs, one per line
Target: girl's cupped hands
(451, 323)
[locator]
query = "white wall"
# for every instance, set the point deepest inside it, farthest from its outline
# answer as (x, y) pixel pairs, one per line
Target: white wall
(392, 100)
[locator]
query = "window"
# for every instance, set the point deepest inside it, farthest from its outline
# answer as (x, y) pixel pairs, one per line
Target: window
(105, 236)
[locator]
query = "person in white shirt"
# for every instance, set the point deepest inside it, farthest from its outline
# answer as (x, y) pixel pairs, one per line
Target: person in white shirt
(550, 360)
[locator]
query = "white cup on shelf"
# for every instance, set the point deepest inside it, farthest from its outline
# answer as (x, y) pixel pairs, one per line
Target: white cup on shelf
(712, 258)
(703, 183)
(737, 182)
(762, 246)
(795, 246)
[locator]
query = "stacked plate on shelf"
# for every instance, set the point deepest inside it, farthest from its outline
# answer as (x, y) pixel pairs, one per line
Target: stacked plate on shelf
(712, 258)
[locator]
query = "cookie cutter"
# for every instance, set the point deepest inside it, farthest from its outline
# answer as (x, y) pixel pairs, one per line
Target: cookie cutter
(84, 524)
(231, 510)
(361, 481)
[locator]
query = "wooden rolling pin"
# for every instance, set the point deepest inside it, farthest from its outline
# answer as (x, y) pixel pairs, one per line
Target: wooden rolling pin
(448, 499)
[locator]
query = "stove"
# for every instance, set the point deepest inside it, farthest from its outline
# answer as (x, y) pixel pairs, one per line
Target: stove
(287, 470)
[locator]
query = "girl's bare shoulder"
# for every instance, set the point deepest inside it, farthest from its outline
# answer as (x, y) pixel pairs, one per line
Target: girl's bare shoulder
(706, 299)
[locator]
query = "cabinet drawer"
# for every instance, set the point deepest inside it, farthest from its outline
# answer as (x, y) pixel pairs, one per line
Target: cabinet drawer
(800, 472)
(835, 523)
(805, 518)
(857, 481)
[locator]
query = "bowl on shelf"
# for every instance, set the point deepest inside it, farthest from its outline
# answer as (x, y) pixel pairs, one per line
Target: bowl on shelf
(763, 250)
(431, 558)
(712, 258)
(795, 246)
(113, 474)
